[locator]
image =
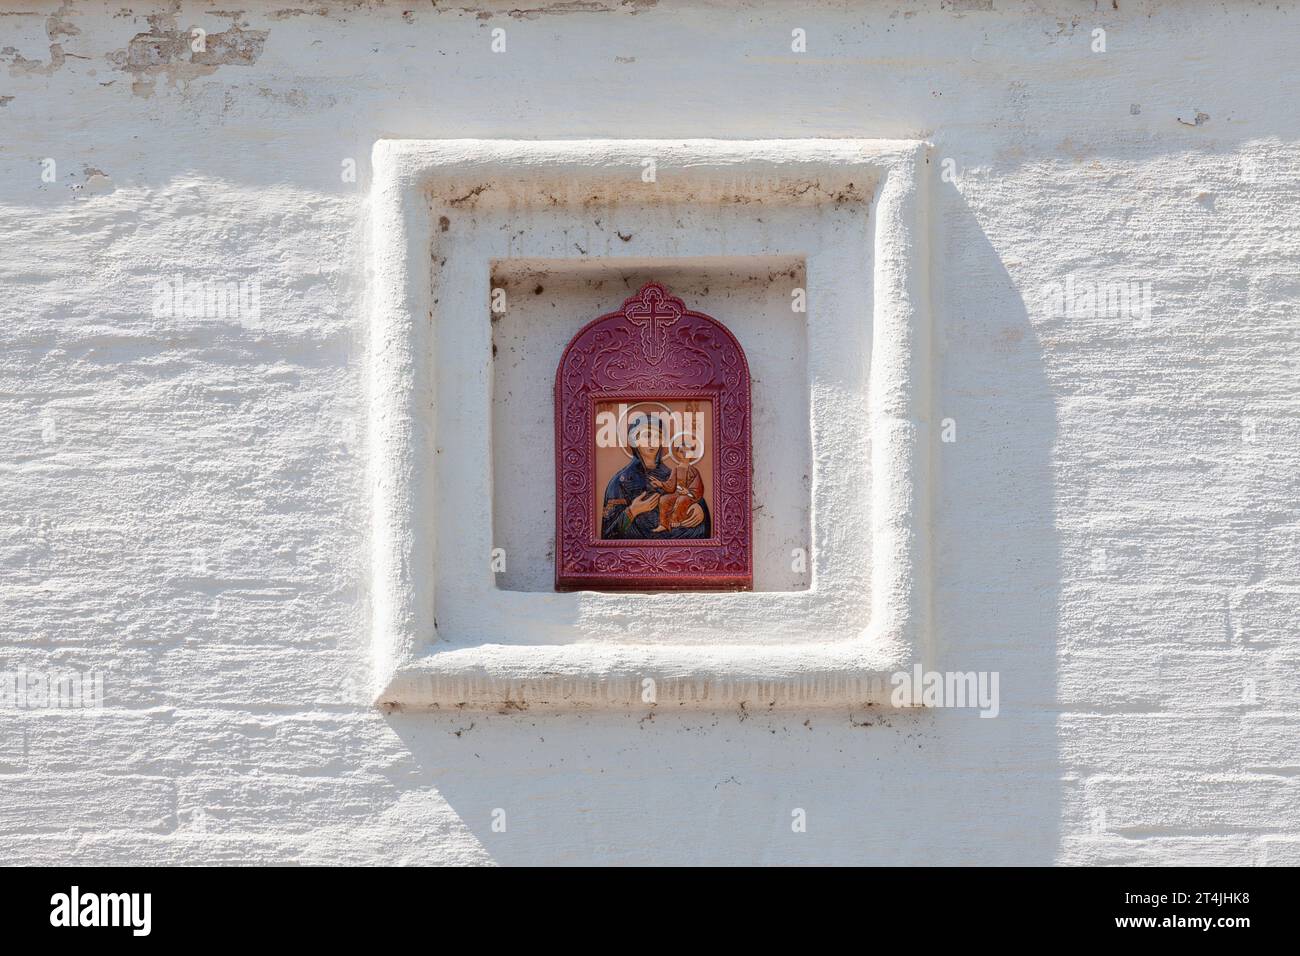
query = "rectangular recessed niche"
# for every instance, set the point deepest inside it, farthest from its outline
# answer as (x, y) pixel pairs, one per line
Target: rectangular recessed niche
(723, 224)
(548, 301)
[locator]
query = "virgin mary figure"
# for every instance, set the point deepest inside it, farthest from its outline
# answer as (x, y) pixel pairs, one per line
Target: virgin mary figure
(631, 504)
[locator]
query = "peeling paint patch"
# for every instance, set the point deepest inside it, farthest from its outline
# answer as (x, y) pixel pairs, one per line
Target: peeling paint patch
(299, 99)
(568, 6)
(298, 12)
(234, 47)
(168, 51)
(19, 65)
(97, 181)
(55, 27)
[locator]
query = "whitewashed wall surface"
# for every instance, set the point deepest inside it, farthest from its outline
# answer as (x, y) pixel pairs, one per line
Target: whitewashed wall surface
(186, 497)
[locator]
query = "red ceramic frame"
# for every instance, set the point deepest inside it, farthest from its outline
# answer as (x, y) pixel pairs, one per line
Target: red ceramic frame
(653, 349)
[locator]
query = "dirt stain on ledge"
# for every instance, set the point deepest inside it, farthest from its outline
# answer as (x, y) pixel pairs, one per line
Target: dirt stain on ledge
(470, 196)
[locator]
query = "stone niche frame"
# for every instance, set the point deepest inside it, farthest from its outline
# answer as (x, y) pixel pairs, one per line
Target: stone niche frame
(716, 373)
(443, 634)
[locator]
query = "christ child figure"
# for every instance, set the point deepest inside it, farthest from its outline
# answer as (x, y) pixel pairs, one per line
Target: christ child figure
(683, 486)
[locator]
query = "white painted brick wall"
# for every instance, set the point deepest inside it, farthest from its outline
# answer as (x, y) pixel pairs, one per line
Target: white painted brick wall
(182, 501)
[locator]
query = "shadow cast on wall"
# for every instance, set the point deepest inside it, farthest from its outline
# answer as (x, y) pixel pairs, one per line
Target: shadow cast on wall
(872, 786)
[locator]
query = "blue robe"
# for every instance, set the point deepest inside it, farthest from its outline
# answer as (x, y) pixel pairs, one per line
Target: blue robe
(629, 483)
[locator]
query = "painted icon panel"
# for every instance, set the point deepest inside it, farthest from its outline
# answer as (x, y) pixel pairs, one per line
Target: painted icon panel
(653, 460)
(654, 470)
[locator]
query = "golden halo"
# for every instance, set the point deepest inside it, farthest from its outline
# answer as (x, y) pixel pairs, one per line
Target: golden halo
(681, 440)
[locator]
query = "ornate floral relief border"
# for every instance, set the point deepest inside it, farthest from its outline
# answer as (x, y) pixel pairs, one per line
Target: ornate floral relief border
(697, 352)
